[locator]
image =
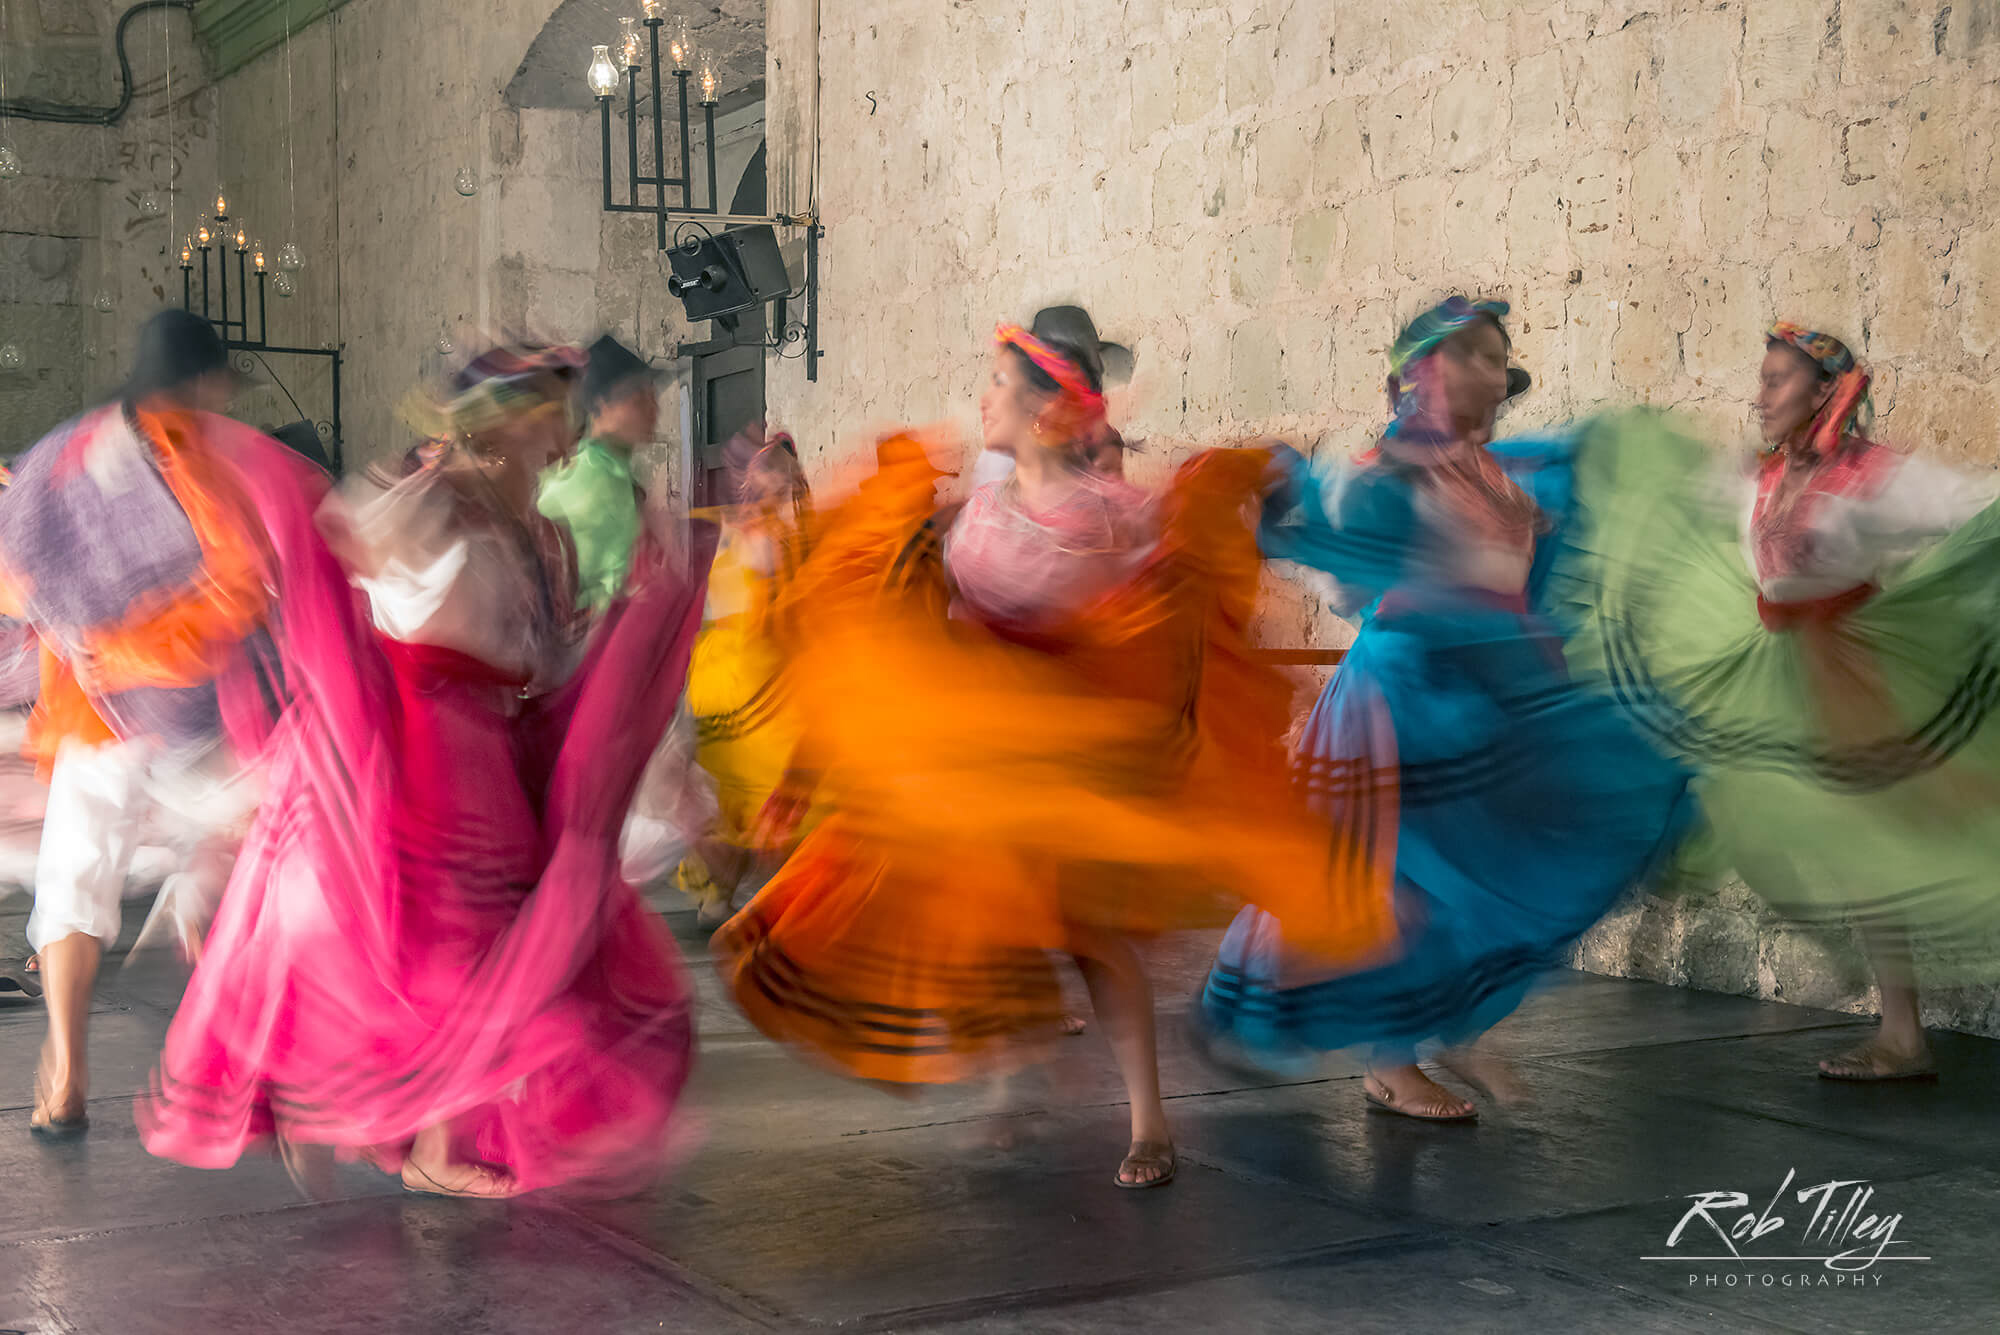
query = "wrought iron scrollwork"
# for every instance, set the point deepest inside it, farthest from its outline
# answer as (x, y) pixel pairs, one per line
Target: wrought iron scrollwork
(690, 235)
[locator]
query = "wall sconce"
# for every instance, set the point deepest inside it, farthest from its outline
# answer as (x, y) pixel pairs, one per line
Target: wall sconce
(649, 189)
(603, 75)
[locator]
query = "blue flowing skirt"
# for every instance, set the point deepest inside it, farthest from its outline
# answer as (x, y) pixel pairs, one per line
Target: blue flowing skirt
(1529, 804)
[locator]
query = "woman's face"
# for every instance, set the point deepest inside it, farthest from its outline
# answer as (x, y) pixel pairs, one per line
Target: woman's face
(1105, 458)
(1789, 393)
(1472, 377)
(1008, 405)
(518, 451)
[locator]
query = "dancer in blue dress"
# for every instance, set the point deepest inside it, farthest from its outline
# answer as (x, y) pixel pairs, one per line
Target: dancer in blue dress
(1528, 803)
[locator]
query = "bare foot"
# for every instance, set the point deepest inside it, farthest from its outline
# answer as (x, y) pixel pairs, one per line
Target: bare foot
(1485, 1073)
(60, 1106)
(1408, 1091)
(1879, 1059)
(310, 1167)
(1072, 1025)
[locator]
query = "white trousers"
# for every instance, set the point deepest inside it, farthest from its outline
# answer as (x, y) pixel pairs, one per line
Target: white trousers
(102, 800)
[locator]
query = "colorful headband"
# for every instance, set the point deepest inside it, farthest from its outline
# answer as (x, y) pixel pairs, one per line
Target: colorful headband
(1848, 409)
(1059, 368)
(494, 388)
(1421, 336)
(1831, 354)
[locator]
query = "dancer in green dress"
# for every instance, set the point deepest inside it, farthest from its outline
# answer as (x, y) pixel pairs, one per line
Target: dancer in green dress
(1821, 639)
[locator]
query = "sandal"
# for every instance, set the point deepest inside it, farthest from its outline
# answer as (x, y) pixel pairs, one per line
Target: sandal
(1381, 1096)
(1148, 1154)
(1870, 1063)
(44, 1123)
(482, 1184)
(18, 987)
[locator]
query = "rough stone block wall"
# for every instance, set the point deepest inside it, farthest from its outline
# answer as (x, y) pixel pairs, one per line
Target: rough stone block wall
(1254, 194)
(347, 145)
(80, 264)
(388, 101)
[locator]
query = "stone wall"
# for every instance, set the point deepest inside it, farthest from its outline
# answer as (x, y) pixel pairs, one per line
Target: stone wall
(388, 102)
(348, 144)
(1254, 194)
(81, 263)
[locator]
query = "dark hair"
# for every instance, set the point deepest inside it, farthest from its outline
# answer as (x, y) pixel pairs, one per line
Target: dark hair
(1820, 374)
(175, 349)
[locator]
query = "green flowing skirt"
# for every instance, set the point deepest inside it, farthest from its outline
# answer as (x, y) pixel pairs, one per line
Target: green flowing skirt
(1849, 770)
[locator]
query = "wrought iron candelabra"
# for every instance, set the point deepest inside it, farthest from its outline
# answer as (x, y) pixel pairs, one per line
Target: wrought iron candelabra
(225, 239)
(635, 56)
(671, 199)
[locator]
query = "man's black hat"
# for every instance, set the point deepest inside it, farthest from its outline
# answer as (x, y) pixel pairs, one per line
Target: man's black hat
(610, 368)
(1072, 327)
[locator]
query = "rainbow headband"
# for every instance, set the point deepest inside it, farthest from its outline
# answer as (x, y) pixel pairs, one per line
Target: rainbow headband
(1057, 367)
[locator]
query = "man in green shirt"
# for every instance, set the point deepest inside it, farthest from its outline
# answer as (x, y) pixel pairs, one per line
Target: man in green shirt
(593, 495)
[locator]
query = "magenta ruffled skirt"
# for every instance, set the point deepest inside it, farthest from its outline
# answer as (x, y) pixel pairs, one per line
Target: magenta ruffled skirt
(427, 924)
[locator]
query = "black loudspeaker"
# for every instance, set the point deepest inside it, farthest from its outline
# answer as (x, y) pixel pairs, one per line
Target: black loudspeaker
(729, 272)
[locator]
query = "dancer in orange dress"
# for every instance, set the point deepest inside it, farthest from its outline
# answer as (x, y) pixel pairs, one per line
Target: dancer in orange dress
(1039, 733)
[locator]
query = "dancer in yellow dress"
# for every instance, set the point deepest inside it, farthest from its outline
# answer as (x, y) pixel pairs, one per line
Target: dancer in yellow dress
(739, 692)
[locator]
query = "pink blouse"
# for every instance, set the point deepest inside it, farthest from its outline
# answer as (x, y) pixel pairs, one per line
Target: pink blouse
(1022, 569)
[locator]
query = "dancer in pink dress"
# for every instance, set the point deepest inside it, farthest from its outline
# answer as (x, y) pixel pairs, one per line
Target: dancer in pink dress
(427, 957)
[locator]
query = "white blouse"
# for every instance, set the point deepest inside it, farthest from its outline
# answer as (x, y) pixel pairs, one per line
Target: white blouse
(1843, 535)
(435, 580)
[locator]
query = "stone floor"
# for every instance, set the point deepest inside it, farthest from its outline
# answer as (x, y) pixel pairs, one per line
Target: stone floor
(810, 1201)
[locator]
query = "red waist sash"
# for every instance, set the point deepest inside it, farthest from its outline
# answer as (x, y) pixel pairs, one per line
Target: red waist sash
(1813, 611)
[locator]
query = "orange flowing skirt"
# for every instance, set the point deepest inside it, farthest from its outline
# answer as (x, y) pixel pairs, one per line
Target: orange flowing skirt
(995, 804)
